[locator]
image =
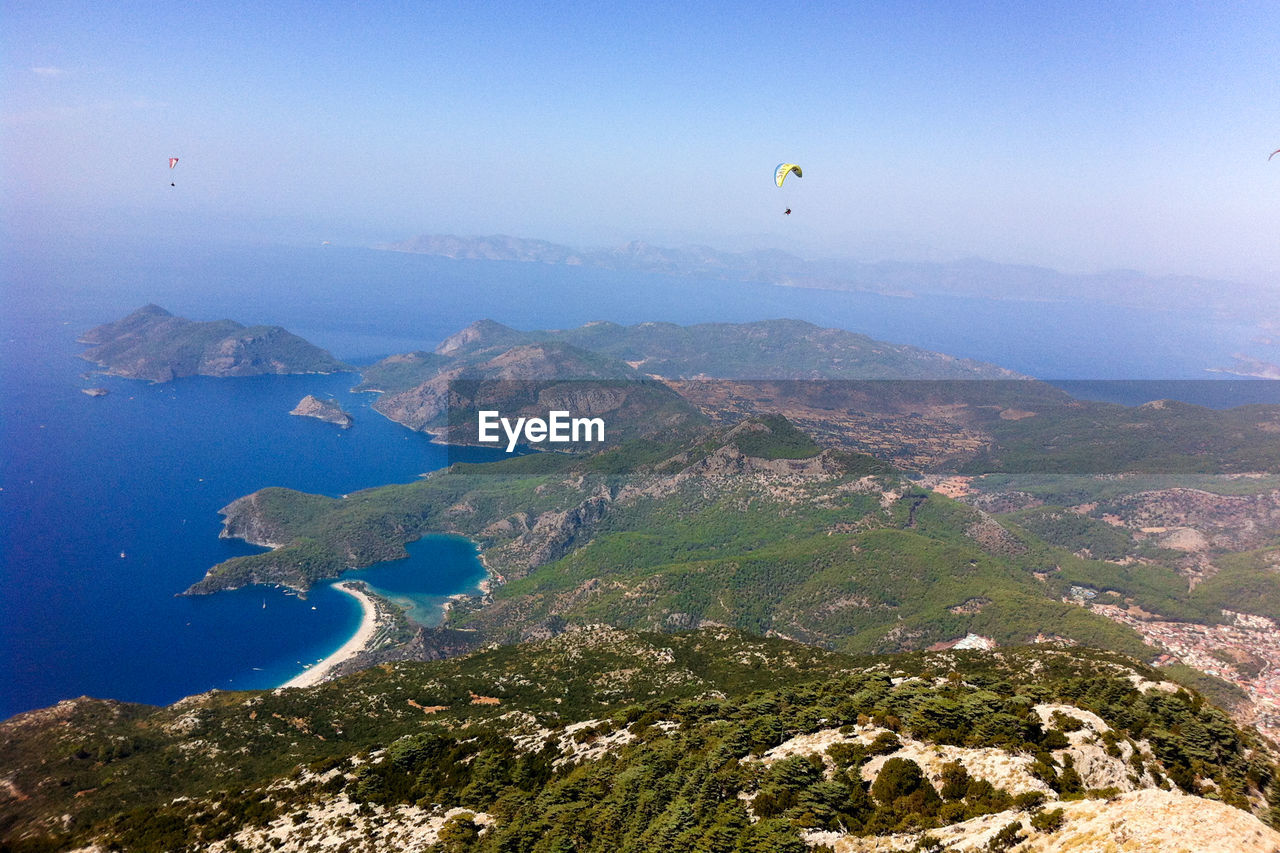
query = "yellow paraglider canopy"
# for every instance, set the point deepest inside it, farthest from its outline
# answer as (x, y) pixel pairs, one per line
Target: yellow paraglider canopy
(784, 169)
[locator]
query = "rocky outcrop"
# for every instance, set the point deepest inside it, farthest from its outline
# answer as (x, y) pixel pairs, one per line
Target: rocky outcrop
(1138, 816)
(1147, 821)
(340, 824)
(328, 411)
(548, 536)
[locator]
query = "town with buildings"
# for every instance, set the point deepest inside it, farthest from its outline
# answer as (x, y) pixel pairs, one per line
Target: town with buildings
(1243, 651)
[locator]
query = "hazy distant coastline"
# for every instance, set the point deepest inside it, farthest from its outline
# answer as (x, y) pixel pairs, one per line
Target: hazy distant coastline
(970, 277)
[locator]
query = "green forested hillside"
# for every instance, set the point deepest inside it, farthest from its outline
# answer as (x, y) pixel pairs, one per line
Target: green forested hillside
(728, 527)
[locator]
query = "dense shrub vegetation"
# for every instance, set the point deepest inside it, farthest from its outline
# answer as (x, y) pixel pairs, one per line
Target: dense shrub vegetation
(689, 778)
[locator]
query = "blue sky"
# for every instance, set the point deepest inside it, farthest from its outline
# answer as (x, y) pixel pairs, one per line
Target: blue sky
(1080, 135)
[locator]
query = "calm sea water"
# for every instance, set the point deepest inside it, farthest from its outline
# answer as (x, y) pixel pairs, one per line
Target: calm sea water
(143, 471)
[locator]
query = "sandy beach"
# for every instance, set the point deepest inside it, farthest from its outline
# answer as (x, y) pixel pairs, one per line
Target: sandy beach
(363, 635)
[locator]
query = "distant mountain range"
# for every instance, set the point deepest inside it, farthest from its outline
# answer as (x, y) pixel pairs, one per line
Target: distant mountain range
(970, 277)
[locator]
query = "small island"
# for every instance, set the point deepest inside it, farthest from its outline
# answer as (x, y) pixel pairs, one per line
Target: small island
(328, 411)
(95, 392)
(153, 344)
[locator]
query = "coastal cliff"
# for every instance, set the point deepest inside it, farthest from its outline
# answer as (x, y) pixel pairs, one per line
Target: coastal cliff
(155, 345)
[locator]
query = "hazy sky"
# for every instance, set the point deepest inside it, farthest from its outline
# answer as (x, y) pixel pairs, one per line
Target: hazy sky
(1082, 135)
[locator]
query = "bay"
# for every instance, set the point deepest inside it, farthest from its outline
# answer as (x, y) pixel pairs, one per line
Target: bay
(438, 567)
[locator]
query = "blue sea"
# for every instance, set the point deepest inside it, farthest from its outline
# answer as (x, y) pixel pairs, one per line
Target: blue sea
(109, 505)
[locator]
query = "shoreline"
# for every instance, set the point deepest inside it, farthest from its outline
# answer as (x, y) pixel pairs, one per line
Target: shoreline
(373, 620)
(358, 643)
